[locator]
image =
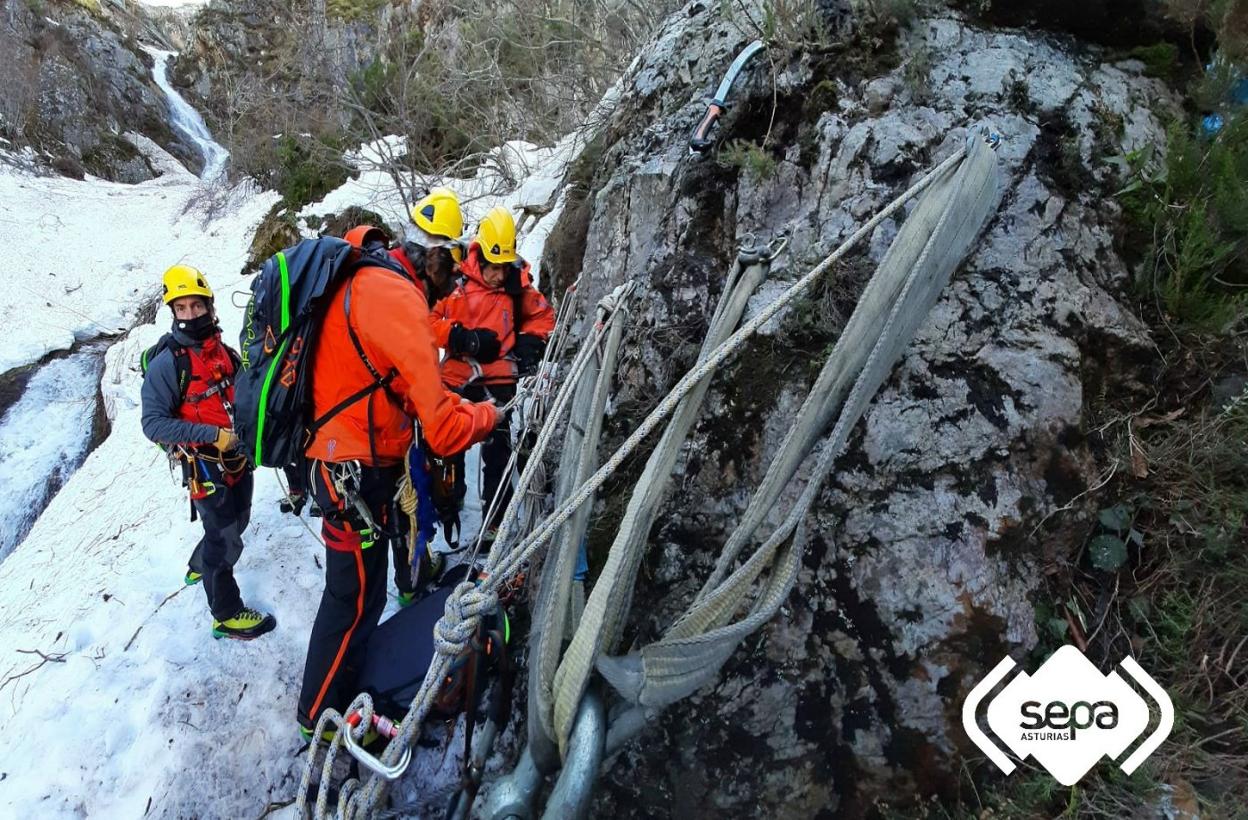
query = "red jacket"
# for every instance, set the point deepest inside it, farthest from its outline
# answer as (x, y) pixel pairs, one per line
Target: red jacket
(390, 318)
(210, 364)
(476, 305)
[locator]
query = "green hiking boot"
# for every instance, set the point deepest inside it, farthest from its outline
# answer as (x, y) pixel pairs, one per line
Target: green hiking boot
(326, 737)
(245, 625)
(192, 577)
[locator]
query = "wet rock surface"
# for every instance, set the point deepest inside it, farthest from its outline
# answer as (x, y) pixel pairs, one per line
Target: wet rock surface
(76, 81)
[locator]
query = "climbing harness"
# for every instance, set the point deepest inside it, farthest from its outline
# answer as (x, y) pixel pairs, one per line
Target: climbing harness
(700, 141)
(960, 193)
(346, 477)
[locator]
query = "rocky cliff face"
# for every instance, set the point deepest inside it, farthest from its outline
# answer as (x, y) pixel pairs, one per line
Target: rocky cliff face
(76, 81)
(936, 532)
(302, 47)
(256, 69)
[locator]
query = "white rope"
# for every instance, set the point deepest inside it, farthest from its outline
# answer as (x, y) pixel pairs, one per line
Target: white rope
(532, 412)
(364, 801)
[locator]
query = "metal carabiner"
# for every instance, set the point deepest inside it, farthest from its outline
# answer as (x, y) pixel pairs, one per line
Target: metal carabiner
(372, 763)
(776, 247)
(751, 253)
(351, 494)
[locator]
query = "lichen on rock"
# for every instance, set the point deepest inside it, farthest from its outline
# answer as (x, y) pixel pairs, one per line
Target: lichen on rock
(928, 545)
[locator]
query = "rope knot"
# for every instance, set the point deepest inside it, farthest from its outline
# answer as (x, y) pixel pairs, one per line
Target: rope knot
(459, 621)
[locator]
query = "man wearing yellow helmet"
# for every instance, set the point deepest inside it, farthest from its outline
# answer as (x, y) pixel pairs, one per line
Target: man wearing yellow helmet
(494, 327)
(431, 249)
(188, 401)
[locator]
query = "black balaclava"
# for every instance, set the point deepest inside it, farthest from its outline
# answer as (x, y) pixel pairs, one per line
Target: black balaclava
(199, 328)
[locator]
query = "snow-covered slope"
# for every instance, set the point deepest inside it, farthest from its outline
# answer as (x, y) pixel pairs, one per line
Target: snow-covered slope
(130, 708)
(83, 257)
(539, 171)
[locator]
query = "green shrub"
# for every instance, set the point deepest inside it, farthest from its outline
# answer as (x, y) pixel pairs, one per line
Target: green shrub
(1195, 209)
(1160, 59)
(352, 10)
(748, 157)
(307, 168)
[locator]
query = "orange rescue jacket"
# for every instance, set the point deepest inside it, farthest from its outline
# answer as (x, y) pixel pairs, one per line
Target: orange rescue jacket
(391, 320)
(476, 305)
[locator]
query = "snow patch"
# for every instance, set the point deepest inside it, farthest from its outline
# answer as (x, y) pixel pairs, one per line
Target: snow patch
(93, 251)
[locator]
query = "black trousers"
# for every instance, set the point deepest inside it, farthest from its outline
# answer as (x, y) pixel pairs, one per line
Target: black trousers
(495, 452)
(355, 586)
(225, 513)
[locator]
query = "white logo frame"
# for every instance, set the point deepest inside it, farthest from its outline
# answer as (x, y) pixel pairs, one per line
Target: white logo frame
(1065, 674)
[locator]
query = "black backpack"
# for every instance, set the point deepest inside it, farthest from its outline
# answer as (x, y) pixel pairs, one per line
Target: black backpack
(181, 360)
(400, 652)
(273, 390)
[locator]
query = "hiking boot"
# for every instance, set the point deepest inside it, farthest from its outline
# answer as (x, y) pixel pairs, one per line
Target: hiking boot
(293, 503)
(192, 577)
(245, 625)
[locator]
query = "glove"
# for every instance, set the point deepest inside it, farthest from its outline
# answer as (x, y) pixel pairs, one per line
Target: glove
(226, 440)
(293, 503)
(529, 350)
(480, 344)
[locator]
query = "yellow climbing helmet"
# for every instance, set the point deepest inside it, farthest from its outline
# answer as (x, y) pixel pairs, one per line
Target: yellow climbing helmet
(497, 236)
(438, 214)
(183, 280)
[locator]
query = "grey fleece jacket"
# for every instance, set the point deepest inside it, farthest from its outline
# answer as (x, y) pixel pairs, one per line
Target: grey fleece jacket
(161, 399)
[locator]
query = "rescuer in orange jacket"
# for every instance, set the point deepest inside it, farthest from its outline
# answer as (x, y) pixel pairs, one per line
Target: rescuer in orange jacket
(494, 328)
(374, 241)
(356, 458)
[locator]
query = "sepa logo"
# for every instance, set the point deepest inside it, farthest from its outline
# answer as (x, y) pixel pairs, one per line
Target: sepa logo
(1068, 715)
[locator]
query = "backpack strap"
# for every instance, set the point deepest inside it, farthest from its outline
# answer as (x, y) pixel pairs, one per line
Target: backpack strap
(379, 381)
(181, 365)
(181, 361)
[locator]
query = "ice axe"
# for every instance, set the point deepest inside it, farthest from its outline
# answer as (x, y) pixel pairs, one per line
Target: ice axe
(701, 141)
